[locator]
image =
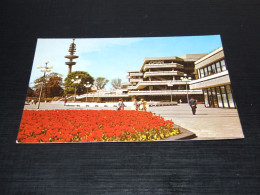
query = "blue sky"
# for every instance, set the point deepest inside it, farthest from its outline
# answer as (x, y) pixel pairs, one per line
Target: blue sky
(112, 57)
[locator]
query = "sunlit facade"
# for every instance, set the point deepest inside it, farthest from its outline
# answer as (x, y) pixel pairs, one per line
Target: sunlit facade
(213, 79)
(159, 79)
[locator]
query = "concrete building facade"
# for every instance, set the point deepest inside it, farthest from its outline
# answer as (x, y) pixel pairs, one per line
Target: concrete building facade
(159, 79)
(213, 80)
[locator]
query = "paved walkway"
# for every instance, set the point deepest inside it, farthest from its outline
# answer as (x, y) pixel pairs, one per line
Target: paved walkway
(208, 123)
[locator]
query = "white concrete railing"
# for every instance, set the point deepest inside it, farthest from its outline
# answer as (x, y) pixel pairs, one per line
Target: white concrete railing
(167, 82)
(136, 74)
(91, 95)
(165, 65)
(165, 92)
(148, 83)
(135, 80)
(163, 73)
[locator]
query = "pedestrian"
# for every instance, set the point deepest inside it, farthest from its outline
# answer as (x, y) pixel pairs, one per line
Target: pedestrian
(193, 105)
(120, 105)
(180, 101)
(143, 105)
(135, 105)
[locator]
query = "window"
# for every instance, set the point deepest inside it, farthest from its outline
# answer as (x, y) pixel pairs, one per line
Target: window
(230, 97)
(214, 97)
(218, 67)
(206, 71)
(220, 103)
(201, 73)
(209, 70)
(206, 98)
(213, 67)
(224, 96)
(223, 65)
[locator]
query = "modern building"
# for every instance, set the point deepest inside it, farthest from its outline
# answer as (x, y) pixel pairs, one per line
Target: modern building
(169, 79)
(213, 79)
(164, 79)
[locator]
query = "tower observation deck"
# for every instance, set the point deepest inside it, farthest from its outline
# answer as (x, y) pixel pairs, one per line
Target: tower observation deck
(71, 57)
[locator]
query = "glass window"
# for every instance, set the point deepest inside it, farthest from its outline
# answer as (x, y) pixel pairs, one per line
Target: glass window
(220, 103)
(218, 67)
(224, 96)
(214, 97)
(230, 97)
(211, 102)
(206, 97)
(201, 73)
(213, 68)
(223, 65)
(209, 70)
(206, 71)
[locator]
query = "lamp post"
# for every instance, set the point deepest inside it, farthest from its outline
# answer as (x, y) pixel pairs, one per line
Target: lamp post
(186, 79)
(75, 81)
(170, 85)
(88, 85)
(44, 69)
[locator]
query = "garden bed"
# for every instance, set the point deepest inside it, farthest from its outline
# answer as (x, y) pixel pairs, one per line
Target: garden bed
(92, 126)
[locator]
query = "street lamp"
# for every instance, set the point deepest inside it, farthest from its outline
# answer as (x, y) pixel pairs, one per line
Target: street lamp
(75, 81)
(170, 85)
(44, 69)
(186, 79)
(88, 85)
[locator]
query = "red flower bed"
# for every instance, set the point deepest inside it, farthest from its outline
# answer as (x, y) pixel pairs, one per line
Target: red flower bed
(92, 126)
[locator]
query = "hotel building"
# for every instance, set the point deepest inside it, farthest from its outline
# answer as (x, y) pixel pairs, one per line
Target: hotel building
(213, 79)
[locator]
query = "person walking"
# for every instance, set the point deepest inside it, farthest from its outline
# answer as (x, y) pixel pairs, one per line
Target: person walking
(121, 104)
(193, 105)
(143, 105)
(135, 105)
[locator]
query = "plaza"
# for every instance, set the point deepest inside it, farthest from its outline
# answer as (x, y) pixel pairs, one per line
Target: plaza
(207, 124)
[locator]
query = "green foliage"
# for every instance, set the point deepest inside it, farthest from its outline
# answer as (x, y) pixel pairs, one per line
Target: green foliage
(80, 88)
(30, 92)
(116, 83)
(101, 82)
(52, 85)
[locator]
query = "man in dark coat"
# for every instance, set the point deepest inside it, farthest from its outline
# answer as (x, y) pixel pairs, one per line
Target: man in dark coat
(193, 105)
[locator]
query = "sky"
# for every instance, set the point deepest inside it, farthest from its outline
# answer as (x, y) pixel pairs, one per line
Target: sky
(112, 57)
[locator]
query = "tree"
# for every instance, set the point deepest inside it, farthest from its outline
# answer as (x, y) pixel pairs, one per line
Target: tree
(52, 85)
(30, 92)
(85, 79)
(101, 82)
(116, 83)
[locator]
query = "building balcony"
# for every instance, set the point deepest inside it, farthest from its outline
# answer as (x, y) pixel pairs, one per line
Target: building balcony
(143, 84)
(136, 74)
(135, 80)
(165, 92)
(125, 84)
(131, 87)
(163, 73)
(165, 65)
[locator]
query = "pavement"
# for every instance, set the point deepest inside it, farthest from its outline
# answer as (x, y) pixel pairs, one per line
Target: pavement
(207, 124)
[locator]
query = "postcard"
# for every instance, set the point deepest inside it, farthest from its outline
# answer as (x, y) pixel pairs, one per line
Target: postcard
(129, 90)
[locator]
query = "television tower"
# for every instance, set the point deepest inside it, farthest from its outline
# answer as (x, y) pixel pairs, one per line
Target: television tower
(72, 50)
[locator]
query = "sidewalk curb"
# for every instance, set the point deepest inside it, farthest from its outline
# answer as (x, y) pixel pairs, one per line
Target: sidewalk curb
(184, 135)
